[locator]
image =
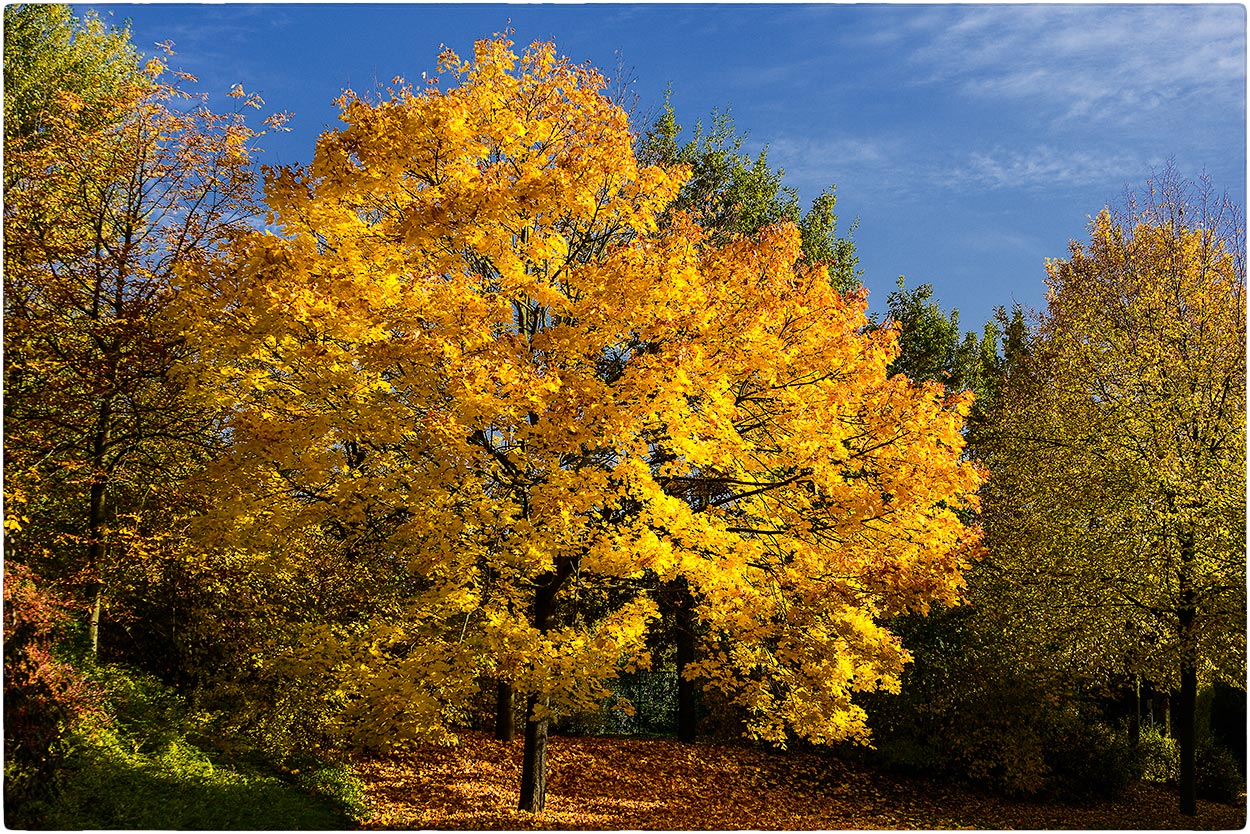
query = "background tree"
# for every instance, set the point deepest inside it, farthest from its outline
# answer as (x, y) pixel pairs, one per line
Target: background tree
(931, 346)
(113, 185)
(114, 180)
(729, 194)
(54, 61)
(977, 703)
(939, 721)
(1117, 508)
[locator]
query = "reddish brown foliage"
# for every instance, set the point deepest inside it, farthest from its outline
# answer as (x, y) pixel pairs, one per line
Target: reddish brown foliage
(40, 690)
(603, 783)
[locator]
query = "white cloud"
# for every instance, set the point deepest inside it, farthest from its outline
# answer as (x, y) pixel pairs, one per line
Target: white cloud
(1045, 167)
(814, 163)
(1110, 62)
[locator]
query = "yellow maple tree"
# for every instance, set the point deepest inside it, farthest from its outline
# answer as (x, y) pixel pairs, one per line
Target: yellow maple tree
(468, 347)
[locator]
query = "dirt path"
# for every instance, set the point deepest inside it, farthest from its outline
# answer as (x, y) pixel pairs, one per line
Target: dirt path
(605, 783)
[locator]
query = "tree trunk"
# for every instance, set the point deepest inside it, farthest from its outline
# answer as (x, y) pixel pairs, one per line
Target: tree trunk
(1134, 720)
(687, 716)
(505, 715)
(534, 763)
(95, 526)
(1187, 702)
(93, 628)
(534, 760)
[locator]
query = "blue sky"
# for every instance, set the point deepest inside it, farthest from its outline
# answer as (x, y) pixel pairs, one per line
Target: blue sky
(970, 141)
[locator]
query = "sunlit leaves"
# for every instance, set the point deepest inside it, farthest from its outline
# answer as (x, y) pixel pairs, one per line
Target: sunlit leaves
(475, 353)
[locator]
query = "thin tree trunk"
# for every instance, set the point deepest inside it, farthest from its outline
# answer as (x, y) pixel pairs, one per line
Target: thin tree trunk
(1187, 702)
(1134, 721)
(1186, 737)
(97, 605)
(534, 765)
(687, 715)
(95, 523)
(505, 715)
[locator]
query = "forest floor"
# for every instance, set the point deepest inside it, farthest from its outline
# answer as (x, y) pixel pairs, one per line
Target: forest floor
(615, 783)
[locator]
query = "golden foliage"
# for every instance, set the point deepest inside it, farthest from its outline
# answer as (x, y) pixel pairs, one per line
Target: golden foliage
(471, 350)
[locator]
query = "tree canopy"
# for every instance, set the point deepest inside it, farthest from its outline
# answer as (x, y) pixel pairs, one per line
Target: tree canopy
(1117, 505)
(474, 347)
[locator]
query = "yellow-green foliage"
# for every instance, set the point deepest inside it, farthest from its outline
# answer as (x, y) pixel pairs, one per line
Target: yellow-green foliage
(147, 767)
(1158, 756)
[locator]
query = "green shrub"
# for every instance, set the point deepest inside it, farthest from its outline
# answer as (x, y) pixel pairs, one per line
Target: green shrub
(1086, 760)
(1157, 756)
(108, 783)
(967, 710)
(146, 767)
(285, 718)
(337, 781)
(1219, 778)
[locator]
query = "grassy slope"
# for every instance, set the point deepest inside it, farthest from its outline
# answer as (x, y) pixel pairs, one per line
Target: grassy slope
(150, 765)
(107, 785)
(649, 784)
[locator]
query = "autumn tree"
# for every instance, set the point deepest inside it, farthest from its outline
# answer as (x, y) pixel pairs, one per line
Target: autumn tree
(1116, 511)
(474, 352)
(115, 180)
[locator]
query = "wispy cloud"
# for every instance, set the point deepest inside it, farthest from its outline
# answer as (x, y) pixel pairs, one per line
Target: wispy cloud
(1122, 63)
(893, 169)
(814, 163)
(1046, 167)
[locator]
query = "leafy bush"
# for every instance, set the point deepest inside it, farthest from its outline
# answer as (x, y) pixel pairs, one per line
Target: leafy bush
(336, 781)
(1157, 756)
(972, 711)
(1086, 760)
(964, 712)
(653, 694)
(145, 766)
(1219, 778)
(43, 691)
(286, 718)
(108, 783)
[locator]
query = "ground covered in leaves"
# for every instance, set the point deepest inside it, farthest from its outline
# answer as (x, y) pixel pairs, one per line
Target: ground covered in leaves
(612, 783)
